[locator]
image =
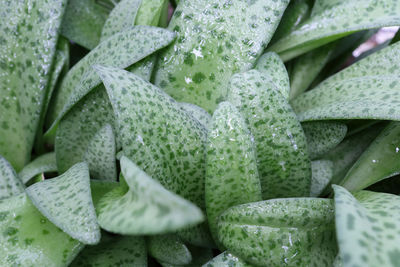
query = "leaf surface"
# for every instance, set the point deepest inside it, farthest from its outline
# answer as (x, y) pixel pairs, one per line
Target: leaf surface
(42, 164)
(10, 185)
(169, 249)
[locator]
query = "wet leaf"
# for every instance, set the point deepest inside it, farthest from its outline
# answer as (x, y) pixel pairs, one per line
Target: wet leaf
(226, 259)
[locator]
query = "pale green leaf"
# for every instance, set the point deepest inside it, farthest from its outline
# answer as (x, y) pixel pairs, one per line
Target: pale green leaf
(335, 20)
(67, 202)
(29, 32)
(322, 136)
(231, 165)
(322, 172)
(197, 112)
(29, 239)
(169, 249)
(100, 155)
(10, 184)
(99, 188)
(282, 157)
(213, 44)
(297, 231)
(42, 164)
(367, 228)
(150, 12)
(146, 208)
(226, 259)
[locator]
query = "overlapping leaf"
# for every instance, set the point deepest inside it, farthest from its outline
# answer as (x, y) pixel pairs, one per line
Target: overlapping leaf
(197, 112)
(169, 249)
(42, 164)
(226, 259)
(10, 185)
(322, 173)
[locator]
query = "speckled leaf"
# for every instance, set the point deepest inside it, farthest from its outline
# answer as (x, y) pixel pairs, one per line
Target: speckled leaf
(296, 231)
(121, 50)
(197, 112)
(28, 239)
(216, 40)
(42, 164)
(157, 134)
(227, 259)
(231, 165)
(367, 89)
(80, 125)
(379, 161)
(283, 162)
(29, 32)
(322, 172)
(271, 64)
(83, 22)
(121, 18)
(100, 155)
(338, 19)
(144, 68)
(169, 249)
(146, 208)
(150, 12)
(114, 251)
(66, 201)
(367, 228)
(323, 136)
(10, 185)
(198, 235)
(99, 188)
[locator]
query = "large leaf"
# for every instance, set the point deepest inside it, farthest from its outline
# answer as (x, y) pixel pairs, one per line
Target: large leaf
(216, 40)
(67, 202)
(83, 22)
(145, 208)
(114, 251)
(367, 89)
(29, 239)
(121, 50)
(10, 185)
(322, 136)
(379, 161)
(231, 170)
(296, 231)
(335, 19)
(282, 156)
(367, 228)
(29, 32)
(226, 259)
(169, 249)
(42, 164)
(157, 134)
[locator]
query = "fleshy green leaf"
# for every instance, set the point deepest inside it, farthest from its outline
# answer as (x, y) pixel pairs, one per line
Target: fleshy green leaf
(150, 12)
(227, 259)
(197, 112)
(42, 164)
(67, 202)
(334, 20)
(83, 22)
(322, 136)
(114, 251)
(198, 235)
(379, 161)
(322, 172)
(367, 228)
(283, 162)
(157, 134)
(99, 188)
(146, 208)
(29, 32)
(121, 18)
(231, 170)
(169, 249)
(271, 64)
(29, 239)
(367, 89)
(216, 40)
(121, 50)
(296, 231)
(100, 154)
(10, 185)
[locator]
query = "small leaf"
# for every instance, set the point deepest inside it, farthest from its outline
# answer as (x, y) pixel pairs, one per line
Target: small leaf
(322, 136)
(146, 208)
(298, 231)
(114, 251)
(10, 185)
(29, 239)
(214, 44)
(227, 259)
(42, 164)
(322, 172)
(231, 170)
(282, 157)
(67, 202)
(271, 64)
(198, 235)
(197, 112)
(367, 228)
(100, 155)
(379, 161)
(169, 249)
(99, 188)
